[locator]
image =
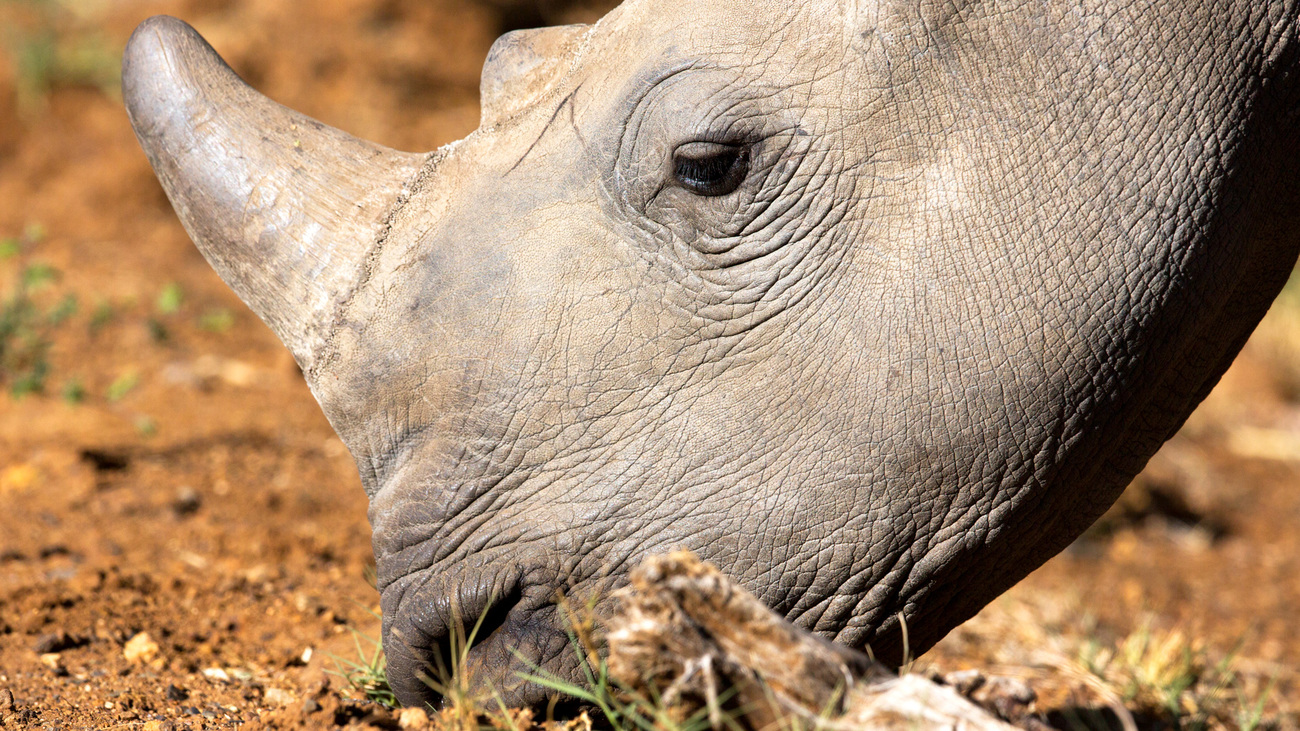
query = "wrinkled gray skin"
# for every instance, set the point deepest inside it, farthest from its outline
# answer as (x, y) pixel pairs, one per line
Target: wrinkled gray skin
(984, 258)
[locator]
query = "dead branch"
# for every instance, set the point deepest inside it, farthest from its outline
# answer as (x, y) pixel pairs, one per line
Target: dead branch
(684, 632)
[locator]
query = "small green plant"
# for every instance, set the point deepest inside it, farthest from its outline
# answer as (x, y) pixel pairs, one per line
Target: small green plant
(170, 299)
(1170, 677)
(12, 246)
(368, 675)
(168, 302)
(1150, 670)
(53, 46)
(73, 391)
(66, 308)
(101, 316)
(451, 677)
(217, 321)
(26, 329)
(470, 706)
(32, 381)
(623, 708)
(38, 276)
(122, 385)
(1251, 715)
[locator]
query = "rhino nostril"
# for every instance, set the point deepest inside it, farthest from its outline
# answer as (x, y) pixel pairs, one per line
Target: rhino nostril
(467, 632)
(432, 639)
(461, 631)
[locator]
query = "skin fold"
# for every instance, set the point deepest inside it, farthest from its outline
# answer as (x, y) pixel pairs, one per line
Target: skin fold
(875, 304)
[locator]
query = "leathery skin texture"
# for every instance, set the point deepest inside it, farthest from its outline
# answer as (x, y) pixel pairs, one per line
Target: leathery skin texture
(875, 304)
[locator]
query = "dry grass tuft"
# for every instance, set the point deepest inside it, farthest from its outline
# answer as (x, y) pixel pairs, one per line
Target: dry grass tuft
(1172, 679)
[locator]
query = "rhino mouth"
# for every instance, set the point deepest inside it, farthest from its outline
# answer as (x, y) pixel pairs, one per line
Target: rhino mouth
(484, 637)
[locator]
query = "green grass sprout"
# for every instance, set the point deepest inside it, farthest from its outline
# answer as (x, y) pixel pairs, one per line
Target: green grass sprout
(170, 299)
(217, 320)
(122, 385)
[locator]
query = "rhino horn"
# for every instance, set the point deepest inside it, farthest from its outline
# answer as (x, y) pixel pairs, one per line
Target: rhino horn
(286, 209)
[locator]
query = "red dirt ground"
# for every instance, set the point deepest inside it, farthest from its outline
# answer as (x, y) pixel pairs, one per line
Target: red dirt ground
(175, 477)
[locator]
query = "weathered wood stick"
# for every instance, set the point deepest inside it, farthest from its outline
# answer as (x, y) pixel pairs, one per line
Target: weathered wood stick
(684, 631)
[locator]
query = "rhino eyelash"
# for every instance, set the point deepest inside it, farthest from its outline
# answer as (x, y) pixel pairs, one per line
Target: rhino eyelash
(711, 169)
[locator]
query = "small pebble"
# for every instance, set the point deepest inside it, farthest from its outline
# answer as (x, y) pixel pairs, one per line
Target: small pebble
(6, 701)
(156, 725)
(177, 694)
(310, 706)
(277, 697)
(140, 649)
(216, 674)
(187, 501)
(413, 719)
(54, 661)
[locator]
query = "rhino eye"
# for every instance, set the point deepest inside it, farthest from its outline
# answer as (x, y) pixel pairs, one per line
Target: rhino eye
(710, 168)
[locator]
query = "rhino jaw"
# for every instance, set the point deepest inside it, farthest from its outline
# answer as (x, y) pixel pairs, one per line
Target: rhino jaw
(286, 209)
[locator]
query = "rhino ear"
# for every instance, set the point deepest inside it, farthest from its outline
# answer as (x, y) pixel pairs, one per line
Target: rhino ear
(286, 209)
(520, 67)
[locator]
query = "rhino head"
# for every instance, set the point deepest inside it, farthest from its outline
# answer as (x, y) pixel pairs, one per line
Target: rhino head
(875, 304)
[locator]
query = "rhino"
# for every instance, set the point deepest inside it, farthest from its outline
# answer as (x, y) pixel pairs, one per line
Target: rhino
(874, 304)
